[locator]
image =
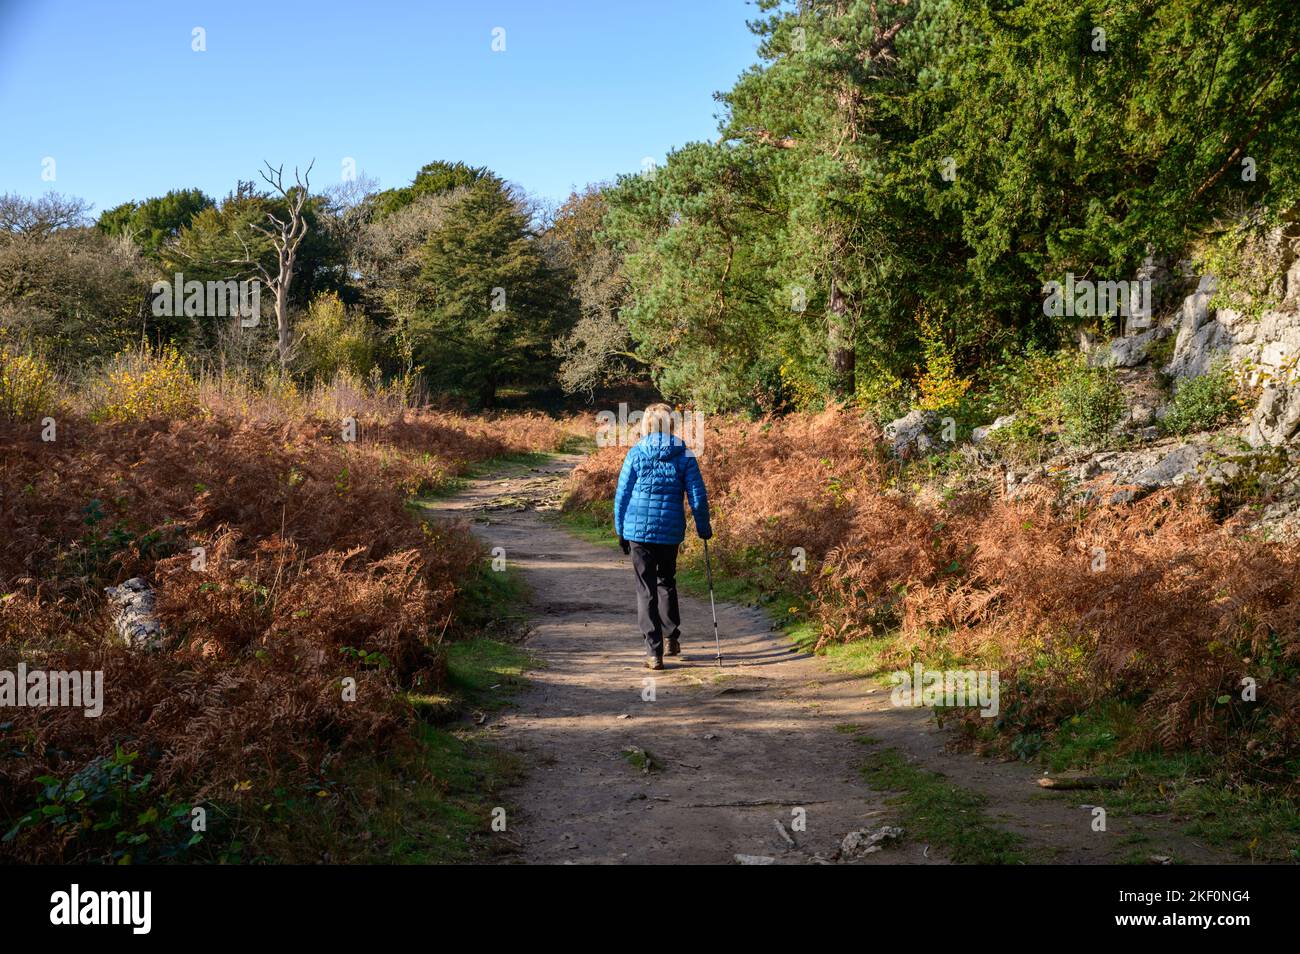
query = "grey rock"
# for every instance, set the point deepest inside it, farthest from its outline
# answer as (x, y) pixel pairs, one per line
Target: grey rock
(1166, 463)
(1267, 345)
(980, 434)
(1142, 415)
(905, 432)
(1130, 350)
(1276, 417)
(1195, 352)
(1198, 337)
(1293, 284)
(1222, 472)
(868, 841)
(1196, 307)
(1156, 271)
(1172, 469)
(1122, 466)
(134, 616)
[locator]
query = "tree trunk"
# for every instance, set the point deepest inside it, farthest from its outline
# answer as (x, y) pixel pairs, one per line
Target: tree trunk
(840, 345)
(284, 333)
(284, 339)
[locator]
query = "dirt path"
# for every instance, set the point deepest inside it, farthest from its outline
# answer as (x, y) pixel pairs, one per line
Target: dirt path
(734, 752)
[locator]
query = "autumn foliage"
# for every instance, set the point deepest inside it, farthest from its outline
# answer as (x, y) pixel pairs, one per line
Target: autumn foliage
(284, 559)
(1155, 602)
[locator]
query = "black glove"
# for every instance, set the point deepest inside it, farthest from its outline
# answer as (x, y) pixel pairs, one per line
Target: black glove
(624, 546)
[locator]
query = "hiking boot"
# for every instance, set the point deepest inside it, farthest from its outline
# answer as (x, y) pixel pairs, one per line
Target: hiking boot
(674, 646)
(654, 662)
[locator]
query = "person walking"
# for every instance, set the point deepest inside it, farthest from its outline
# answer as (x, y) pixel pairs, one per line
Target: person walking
(650, 520)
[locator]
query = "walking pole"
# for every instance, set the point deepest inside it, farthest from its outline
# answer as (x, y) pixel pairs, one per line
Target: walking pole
(708, 574)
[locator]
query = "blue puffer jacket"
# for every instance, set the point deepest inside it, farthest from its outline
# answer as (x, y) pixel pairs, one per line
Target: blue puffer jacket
(656, 473)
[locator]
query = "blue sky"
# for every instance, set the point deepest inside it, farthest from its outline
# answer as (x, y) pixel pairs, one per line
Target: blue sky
(584, 90)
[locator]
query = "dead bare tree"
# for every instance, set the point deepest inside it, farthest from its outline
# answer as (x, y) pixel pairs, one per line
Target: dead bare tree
(40, 218)
(285, 236)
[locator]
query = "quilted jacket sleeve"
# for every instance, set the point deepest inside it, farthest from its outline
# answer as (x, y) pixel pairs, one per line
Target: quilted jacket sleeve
(698, 497)
(623, 495)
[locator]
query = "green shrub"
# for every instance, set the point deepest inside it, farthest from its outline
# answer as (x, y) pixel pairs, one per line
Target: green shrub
(1024, 439)
(1247, 266)
(1090, 403)
(333, 339)
(1204, 402)
(1023, 384)
(941, 387)
(110, 812)
(1049, 392)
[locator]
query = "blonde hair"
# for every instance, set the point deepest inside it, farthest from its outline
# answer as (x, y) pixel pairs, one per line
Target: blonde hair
(657, 417)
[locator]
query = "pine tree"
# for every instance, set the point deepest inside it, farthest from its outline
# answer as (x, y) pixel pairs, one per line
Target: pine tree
(491, 303)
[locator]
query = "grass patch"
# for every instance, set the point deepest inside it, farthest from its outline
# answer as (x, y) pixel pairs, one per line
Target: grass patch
(485, 672)
(594, 523)
(430, 805)
(492, 604)
(640, 760)
(861, 658)
(449, 819)
(692, 579)
(507, 463)
(1251, 820)
(948, 816)
(1085, 740)
(577, 444)
(429, 802)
